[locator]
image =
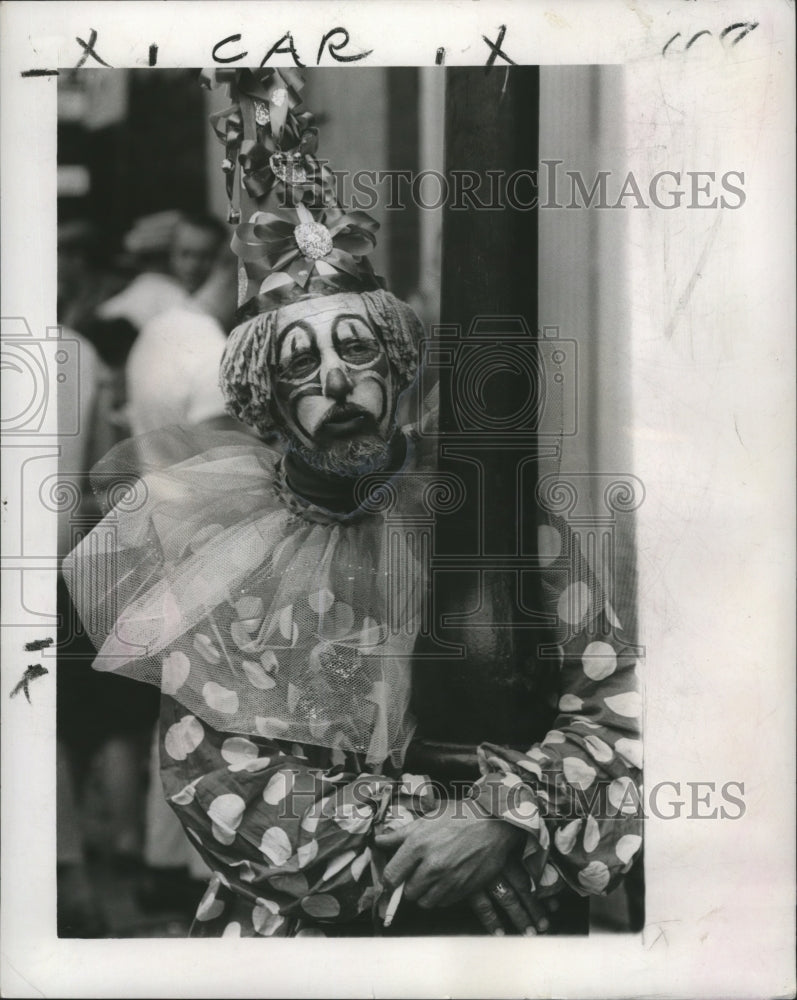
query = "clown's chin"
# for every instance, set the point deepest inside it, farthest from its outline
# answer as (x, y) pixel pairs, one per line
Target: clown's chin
(350, 457)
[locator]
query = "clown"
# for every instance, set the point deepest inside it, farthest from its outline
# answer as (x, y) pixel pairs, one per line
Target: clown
(259, 588)
(327, 373)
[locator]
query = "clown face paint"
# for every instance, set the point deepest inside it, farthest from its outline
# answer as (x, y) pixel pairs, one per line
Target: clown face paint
(332, 381)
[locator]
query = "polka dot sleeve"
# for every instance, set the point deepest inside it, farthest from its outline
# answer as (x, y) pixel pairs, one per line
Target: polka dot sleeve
(290, 844)
(577, 792)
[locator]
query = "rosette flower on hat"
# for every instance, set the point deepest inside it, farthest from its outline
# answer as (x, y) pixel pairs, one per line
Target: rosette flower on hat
(313, 243)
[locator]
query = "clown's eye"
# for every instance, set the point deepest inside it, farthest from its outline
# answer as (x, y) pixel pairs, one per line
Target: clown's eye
(359, 351)
(300, 366)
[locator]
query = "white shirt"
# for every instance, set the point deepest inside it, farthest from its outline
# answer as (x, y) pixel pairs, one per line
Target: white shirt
(173, 371)
(146, 296)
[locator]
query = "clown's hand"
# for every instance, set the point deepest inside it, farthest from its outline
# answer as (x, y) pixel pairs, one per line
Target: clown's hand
(508, 904)
(445, 858)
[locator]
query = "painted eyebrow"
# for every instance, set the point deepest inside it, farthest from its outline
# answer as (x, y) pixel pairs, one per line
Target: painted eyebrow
(348, 317)
(297, 324)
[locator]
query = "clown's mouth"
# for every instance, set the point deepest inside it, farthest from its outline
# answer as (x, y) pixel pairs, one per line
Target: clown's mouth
(343, 421)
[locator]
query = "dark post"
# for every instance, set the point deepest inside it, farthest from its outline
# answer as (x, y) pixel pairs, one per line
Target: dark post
(490, 256)
(402, 138)
(484, 593)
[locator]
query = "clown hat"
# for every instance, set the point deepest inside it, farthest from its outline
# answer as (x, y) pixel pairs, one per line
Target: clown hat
(309, 245)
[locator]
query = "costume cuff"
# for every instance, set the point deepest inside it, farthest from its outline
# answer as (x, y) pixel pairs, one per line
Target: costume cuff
(589, 853)
(505, 796)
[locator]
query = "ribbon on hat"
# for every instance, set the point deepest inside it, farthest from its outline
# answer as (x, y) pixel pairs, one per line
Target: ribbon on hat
(270, 143)
(263, 163)
(277, 88)
(265, 132)
(340, 239)
(228, 126)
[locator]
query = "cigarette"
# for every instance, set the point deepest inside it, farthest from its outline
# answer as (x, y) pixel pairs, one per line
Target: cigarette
(393, 905)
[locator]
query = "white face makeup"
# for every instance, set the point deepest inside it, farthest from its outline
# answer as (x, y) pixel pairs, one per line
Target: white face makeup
(332, 381)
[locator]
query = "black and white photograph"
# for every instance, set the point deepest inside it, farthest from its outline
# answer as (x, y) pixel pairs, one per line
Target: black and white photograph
(398, 461)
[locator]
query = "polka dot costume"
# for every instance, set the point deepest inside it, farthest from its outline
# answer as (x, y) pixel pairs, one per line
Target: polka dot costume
(577, 792)
(284, 714)
(288, 836)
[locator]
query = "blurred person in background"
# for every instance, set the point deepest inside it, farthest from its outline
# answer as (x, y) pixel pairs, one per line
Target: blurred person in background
(102, 742)
(194, 251)
(95, 713)
(83, 285)
(79, 913)
(104, 722)
(172, 378)
(174, 254)
(172, 370)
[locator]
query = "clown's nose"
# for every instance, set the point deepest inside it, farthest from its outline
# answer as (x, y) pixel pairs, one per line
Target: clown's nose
(338, 385)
